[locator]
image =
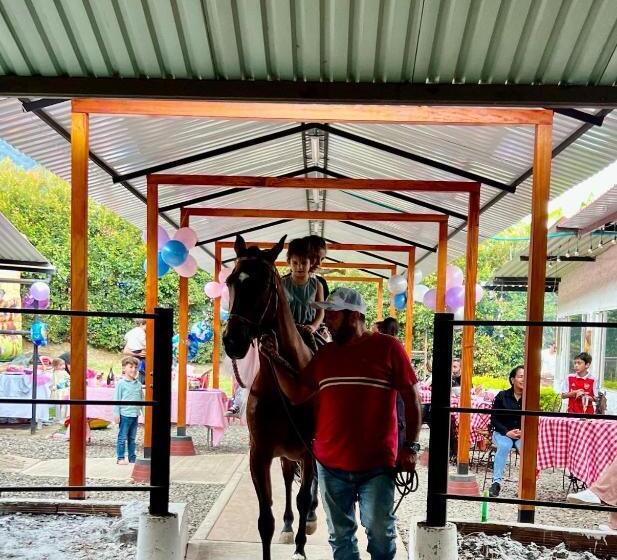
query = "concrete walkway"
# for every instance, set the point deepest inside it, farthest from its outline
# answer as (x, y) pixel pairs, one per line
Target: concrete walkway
(230, 529)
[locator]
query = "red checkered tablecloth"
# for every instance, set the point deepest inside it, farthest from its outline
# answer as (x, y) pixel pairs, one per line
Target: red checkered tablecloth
(583, 447)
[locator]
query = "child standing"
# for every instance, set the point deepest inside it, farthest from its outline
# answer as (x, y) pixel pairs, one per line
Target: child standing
(60, 381)
(580, 387)
(301, 287)
(127, 389)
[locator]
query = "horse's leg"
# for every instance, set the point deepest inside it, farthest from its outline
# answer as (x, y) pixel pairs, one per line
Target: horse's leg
(311, 520)
(260, 473)
(289, 470)
(303, 503)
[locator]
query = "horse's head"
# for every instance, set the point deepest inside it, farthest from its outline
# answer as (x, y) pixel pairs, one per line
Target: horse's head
(252, 296)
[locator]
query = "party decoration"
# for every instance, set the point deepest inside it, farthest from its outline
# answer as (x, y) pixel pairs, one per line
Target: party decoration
(417, 276)
(225, 298)
(399, 301)
(27, 302)
(419, 291)
(213, 290)
(188, 268)
(224, 274)
(162, 267)
(455, 297)
(161, 238)
(397, 284)
(39, 291)
(201, 332)
(459, 315)
(186, 236)
(224, 314)
(193, 350)
(174, 253)
(430, 299)
(38, 333)
(479, 292)
(454, 276)
(43, 304)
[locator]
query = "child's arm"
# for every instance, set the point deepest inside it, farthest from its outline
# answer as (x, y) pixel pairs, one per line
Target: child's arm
(117, 397)
(320, 312)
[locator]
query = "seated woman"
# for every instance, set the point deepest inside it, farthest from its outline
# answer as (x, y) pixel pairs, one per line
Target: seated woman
(507, 428)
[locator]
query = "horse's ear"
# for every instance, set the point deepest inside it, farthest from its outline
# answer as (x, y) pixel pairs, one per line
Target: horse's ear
(239, 245)
(272, 253)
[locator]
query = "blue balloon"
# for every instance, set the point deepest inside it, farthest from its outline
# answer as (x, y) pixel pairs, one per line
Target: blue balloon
(174, 253)
(224, 314)
(201, 332)
(162, 267)
(38, 333)
(193, 350)
(399, 301)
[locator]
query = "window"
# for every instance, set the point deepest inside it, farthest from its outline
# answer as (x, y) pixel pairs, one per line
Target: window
(610, 353)
(576, 340)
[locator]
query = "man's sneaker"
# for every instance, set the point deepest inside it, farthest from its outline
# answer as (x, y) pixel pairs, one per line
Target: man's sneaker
(494, 490)
(584, 497)
(233, 412)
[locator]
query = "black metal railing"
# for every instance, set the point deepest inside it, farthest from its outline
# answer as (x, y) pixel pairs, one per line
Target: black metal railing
(161, 408)
(439, 441)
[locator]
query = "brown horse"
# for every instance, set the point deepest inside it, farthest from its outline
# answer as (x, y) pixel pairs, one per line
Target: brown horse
(277, 428)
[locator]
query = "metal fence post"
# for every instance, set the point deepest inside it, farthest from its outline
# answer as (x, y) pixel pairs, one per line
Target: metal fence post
(161, 414)
(35, 368)
(439, 442)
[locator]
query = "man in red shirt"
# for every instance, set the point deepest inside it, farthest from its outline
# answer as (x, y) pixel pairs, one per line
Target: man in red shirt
(580, 387)
(356, 378)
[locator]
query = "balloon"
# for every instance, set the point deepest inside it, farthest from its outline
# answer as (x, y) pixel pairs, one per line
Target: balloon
(213, 290)
(417, 276)
(430, 299)
(224, 314)
(479, 292)
(38, 333)
(39, 291)
(224, 274)
(28, 302)
(174, 253)
(225, 298)
(459, 315)
(161, 266)
(455, 297)
(44, 304)
(161, 238)
(397, 284)
(188, 268)
(419, 291)
(193, 350)
(454, 276)
(399, 301)
(186, 236)
(201, 332)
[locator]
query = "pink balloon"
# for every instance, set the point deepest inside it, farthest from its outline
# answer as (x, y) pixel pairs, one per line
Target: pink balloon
(188, 268)
(479, 292)
(454, 276)
(430, 299)
(224, 274)
(162, 236)
(187, 237)
(213, 290)
(225, 298)
(455, 297)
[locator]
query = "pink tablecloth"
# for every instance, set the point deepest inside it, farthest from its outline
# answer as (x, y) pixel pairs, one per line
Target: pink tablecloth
(203, 408)
(583, 447)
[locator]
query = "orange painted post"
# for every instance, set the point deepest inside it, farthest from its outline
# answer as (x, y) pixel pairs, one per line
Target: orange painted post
(471, 276)
(535, 312)
(216, 322)
(79, 298)
(442, 263)
(152, 288)
(380, 300)
(411, 267)
(183, 331)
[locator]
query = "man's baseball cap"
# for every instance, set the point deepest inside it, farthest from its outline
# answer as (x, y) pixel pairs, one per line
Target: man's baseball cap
(342, 298)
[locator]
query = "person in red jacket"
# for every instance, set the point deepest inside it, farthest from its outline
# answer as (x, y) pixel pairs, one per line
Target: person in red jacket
(580, 387)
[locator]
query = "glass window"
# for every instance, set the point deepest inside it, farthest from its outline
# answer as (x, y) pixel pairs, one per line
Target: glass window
(576, 340)
(610, 353)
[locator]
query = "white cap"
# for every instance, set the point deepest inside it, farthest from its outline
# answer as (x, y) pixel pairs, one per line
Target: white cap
(343, 298)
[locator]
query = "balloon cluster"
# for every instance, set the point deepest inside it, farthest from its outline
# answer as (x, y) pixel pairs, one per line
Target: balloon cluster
(219, 289)
(174, 253)
(200, 333)
(38, 333)
(37, 297)
(455, 293)
(397, 285)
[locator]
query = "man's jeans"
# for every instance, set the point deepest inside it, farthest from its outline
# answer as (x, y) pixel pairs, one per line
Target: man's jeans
(339, 492)
(128, 431)
(504, 446)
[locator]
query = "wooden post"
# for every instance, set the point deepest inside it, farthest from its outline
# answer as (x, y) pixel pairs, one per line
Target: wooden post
(535, 312)
(152, 289)
(471, 276)
(216, 322)
(411, 267)
(183, 331)
(380, 301)
(79, 298)
(442, 263)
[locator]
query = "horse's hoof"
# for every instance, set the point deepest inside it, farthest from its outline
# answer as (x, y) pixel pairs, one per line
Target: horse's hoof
(311, 527)
(286, 537)
(298, 556)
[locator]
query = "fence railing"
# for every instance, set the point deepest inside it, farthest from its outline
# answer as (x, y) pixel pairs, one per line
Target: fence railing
(161, 408)
(439, 442)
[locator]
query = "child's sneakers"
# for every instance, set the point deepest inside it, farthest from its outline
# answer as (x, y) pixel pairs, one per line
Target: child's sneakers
(122, 462)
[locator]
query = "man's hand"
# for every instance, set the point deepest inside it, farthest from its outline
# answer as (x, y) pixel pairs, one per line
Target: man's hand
(514, 434)
(406, 461)
(268, 345)
(116, 419)
(309, 328)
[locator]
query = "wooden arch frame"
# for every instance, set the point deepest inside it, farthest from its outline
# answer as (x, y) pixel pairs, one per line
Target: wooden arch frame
(540, 119)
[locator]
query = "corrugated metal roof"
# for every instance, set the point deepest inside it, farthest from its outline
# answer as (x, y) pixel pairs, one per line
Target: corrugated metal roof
(601, 211)
(419, 41)
(17, 253)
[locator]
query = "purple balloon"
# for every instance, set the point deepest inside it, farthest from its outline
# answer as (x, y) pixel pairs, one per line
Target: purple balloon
(27, 302)
(162, 236)
(39, 291)
(44, 304)
(454, 276)
(455, 297)
(430, 299)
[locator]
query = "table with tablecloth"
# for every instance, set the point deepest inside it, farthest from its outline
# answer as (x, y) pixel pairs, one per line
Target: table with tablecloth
(19, 386)
(203, 408)
(583, 447)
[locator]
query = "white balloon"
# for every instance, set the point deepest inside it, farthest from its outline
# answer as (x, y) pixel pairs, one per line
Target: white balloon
(417, 276)
(419, 291)
(459, 315)
(397, 284)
